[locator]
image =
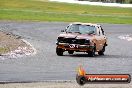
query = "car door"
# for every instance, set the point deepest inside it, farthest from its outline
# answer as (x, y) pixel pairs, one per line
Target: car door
(99, 39)
(102, 37)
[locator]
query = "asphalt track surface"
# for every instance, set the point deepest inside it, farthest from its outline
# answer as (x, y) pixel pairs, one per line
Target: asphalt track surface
(46, 65)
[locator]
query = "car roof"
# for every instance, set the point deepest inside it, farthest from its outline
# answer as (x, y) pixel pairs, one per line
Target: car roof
(91, 24)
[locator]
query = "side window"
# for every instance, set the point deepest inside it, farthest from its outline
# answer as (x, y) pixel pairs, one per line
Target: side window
(99, 32)
(102, 31)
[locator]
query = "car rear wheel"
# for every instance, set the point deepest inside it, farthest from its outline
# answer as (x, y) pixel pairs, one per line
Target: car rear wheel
(70, 52)
(102, 51)
(92, 52)
(59, 51)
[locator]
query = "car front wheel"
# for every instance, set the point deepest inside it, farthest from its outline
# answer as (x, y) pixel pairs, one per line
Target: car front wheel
(92, 52)
(59, 51)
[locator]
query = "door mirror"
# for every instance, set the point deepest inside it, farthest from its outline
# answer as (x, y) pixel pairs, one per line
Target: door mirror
(62, 30)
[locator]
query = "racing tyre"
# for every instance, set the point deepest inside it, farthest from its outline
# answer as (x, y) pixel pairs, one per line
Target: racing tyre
(91, 53)
(102, 51)
(59, 51)
(70, 52)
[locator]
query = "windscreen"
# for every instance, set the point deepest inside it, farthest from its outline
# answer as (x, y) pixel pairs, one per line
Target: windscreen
(83, 29)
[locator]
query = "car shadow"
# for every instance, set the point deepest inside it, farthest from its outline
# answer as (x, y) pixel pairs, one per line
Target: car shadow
(99, 56)
(79, 55)
(115, 56)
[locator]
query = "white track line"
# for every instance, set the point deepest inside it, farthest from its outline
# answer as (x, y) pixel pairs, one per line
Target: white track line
(125, 37)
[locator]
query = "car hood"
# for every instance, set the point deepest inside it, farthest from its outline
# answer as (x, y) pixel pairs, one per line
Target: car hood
(76, 35)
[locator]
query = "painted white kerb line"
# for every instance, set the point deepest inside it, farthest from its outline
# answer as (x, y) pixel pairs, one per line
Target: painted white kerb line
(125, 37)
(34, 50)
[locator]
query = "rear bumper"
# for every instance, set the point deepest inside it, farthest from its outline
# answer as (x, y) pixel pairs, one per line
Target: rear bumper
(75, 47)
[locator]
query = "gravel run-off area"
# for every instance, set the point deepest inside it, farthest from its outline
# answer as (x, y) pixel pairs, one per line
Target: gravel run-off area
(13, 46)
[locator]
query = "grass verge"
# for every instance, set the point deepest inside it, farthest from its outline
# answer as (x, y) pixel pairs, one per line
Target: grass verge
(36, 10)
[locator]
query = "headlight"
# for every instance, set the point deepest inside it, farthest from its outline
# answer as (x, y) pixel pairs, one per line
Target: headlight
(87, 41)
(60, 39)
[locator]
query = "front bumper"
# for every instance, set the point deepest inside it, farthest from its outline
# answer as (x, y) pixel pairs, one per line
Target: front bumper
(75, 47)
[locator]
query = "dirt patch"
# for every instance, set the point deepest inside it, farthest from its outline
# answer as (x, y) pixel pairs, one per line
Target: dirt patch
(13, 45)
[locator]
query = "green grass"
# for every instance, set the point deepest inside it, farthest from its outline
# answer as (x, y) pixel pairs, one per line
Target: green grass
(52, 11)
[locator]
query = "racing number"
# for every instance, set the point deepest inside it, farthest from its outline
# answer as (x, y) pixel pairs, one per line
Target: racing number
(73, 46)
